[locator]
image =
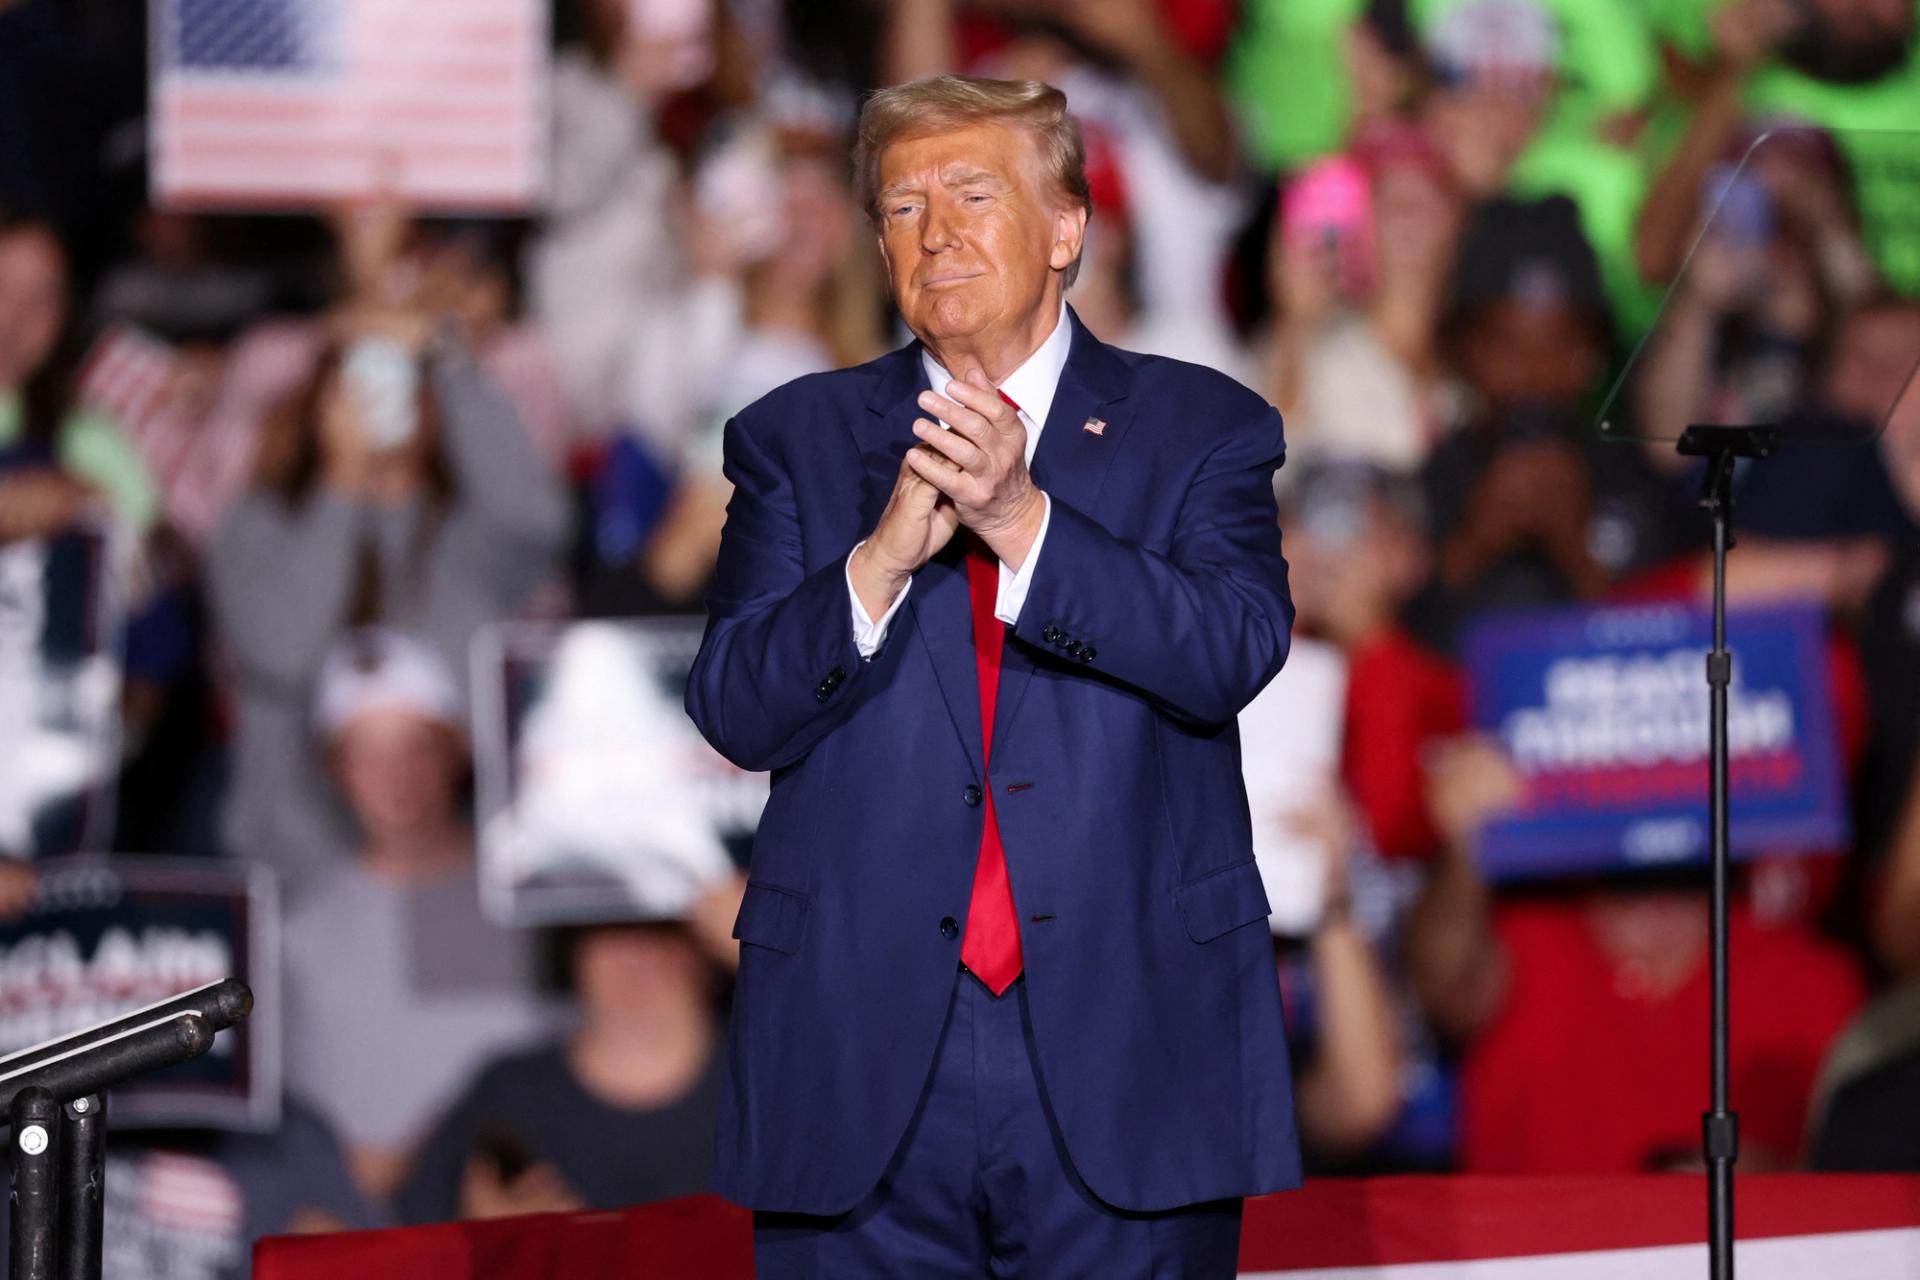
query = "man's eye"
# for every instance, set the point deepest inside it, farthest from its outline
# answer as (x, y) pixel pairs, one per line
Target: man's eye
(902, 210)
(977, 199)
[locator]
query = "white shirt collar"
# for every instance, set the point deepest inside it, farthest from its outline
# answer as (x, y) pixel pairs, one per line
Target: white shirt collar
(1032, 385)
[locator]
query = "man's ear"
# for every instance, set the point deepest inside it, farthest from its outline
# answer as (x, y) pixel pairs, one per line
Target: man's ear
(1069, 233)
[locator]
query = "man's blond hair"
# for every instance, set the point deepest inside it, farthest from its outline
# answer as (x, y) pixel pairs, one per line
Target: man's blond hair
(940, 103)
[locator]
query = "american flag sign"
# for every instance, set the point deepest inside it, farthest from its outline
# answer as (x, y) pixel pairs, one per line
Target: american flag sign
(277, 103)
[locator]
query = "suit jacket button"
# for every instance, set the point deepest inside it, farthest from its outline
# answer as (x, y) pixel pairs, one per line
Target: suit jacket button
(971, 795)
(1086, 654)
(822, 693)
(1074, 648)
(948, 929)
(1051, 635)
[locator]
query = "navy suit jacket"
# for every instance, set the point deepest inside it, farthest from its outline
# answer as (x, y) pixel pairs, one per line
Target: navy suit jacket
(1116, 780)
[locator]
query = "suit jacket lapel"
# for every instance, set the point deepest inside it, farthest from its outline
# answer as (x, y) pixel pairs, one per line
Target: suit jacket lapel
(939, 604)
(1071, 464)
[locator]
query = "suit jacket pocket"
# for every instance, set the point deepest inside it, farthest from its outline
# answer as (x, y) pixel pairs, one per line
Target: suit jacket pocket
(772, 917)
(1222, 901)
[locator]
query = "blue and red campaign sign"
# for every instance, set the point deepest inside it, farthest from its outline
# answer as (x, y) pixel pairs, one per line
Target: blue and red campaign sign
(1604, 713)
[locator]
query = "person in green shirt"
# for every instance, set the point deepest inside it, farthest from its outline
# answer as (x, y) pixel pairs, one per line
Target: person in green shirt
(57, 460)
(1531, 98)
(1298, 69)
(1848, 66)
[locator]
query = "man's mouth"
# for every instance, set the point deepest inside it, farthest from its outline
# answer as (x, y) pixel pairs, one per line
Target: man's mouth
(949, 277)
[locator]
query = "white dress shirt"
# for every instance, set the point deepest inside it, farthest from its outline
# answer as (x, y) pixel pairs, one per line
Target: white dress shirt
(1031, 387)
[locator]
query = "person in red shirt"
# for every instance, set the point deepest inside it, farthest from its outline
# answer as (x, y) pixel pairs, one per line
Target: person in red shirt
(1357, 556)
(1583, 1013)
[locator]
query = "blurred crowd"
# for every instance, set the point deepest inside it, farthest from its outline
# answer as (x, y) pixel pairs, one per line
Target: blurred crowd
(1431, 231)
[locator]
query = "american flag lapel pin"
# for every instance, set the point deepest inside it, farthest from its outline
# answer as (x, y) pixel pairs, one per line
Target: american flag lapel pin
(1095, 426)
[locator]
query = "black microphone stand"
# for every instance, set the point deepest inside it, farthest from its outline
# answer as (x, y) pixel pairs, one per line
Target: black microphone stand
(1721, 447)
(54, 1098)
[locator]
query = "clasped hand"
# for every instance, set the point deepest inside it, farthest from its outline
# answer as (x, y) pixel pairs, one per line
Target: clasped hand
(974, 474)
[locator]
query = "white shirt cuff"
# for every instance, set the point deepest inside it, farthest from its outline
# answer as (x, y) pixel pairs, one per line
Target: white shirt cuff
(1012, 596)
(869, 635)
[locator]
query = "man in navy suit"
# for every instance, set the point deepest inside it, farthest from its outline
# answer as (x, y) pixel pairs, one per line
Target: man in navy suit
(987, 608)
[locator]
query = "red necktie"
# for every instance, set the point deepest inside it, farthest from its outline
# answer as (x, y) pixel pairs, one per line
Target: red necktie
(992, 947)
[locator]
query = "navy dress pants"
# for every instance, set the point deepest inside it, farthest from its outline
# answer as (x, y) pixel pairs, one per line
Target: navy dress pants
(981, 1185)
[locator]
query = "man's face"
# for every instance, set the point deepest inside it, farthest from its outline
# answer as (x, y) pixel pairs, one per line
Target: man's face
(973, 235)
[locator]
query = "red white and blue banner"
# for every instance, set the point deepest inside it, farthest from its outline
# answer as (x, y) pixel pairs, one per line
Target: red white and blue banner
(1649, 1227)
(304, 102)
(1604, 714)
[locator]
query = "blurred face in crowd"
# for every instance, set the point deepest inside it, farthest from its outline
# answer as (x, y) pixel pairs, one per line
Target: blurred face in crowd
(33, 302)
(1104, 296)
(638, 965)
(1851, 41)
(400, 772)
(817, 227)
(461, 282)
(1873, 362)
(1482, 131)
(1351, 564)
(975, 236)
(1416, 218)
(1524, 353)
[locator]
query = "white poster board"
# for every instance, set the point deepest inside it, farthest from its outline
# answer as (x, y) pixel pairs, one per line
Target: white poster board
(598, 798)
(1290, 739)
(59, 694)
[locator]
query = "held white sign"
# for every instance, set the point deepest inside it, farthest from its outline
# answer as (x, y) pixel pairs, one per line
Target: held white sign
(1290, 738)
(598, 798)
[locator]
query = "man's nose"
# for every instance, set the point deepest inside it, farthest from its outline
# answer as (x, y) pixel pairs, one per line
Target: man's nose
(937, 231)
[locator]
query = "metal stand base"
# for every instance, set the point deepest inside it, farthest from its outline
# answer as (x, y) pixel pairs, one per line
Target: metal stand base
(33, 1224)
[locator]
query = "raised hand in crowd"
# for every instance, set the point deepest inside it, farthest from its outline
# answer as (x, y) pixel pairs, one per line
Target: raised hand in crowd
(1417, 218)
(19, 884)
(486, 1191)
(1534, 495)
(37, 502)
(1303, 279)
(711, 921)
(1895, 926)
(1456, 963)
(371, 236)
(1135, 34)
(1349, 1091)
